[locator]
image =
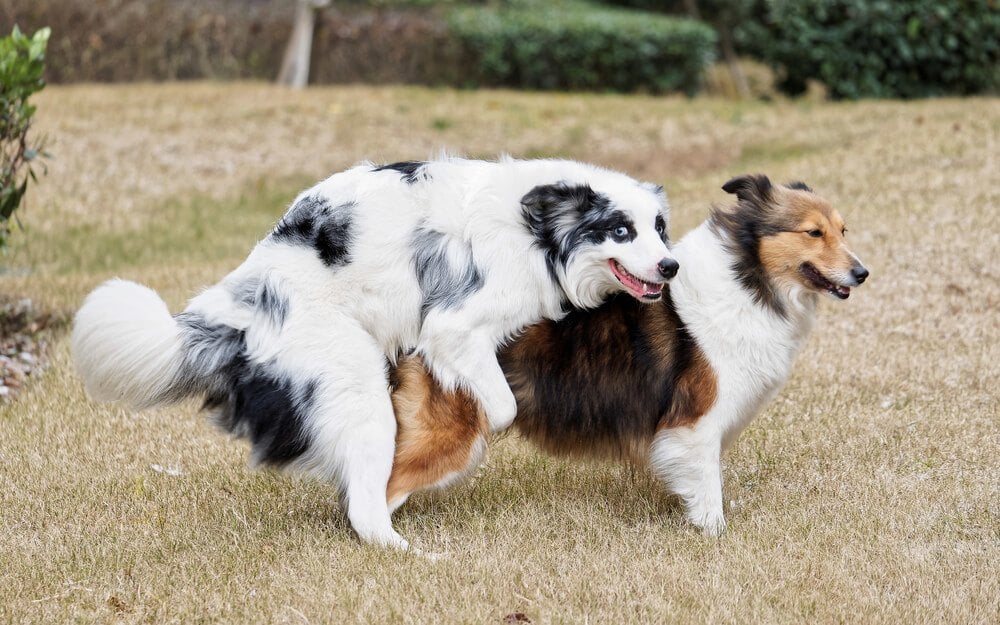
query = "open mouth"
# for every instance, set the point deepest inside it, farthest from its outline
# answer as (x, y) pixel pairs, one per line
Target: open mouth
(637, 287)
(816, 278)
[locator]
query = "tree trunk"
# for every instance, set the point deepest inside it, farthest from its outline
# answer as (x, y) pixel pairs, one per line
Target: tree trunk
(692, 9)
(295, 65)
(726, 45)
(729, 54)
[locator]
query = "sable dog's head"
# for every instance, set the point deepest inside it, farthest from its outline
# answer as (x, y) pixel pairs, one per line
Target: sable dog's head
(785, 237)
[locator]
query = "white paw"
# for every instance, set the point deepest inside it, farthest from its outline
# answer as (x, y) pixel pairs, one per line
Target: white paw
(391, 541)
(712, 524)
(500, 422)
(500, 411)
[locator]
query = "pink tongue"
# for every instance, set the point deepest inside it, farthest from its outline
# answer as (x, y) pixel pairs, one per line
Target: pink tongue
(638, 286)
(643, 288)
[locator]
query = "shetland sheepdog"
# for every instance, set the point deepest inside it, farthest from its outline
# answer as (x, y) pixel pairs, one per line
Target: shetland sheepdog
(668, 386)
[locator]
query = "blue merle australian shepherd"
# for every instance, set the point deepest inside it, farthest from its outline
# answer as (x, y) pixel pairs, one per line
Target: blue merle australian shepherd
(446, 259)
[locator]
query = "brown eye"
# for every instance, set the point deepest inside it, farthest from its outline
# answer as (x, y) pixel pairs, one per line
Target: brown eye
(815, 233)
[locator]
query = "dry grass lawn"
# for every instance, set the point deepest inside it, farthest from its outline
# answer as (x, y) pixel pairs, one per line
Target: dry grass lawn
(869, 491)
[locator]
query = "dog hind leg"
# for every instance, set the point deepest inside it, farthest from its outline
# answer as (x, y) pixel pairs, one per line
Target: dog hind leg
(364, 477)
(352, 425)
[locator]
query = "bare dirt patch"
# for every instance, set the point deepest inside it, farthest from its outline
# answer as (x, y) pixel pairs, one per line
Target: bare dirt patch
(25, 333)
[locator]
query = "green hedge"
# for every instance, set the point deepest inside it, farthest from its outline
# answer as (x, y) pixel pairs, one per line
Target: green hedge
(881, 48)
(554, 44)
(583, 48)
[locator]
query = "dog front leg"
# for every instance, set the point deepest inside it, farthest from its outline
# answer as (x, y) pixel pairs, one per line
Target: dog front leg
(459, 356)
(687, 460)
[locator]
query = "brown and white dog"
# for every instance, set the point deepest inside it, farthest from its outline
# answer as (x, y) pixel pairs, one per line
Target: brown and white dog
(669, 385)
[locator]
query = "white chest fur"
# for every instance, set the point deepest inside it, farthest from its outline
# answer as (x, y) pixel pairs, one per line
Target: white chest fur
(750, 346)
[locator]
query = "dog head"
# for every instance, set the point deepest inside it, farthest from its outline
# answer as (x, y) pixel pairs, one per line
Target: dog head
(602, 236)
(787, 237)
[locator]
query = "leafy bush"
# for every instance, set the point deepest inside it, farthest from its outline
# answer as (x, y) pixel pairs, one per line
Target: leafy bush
(22, 62)
(401, 41)
(880, 48)
(582, 47)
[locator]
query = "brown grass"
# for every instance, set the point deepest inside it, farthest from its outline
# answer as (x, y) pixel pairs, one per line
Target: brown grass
(869, 491)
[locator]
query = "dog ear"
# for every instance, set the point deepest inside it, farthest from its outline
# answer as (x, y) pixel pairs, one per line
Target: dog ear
(655, 189)
(799, 185)
(557, 215)
(755, 189)
(549, 201)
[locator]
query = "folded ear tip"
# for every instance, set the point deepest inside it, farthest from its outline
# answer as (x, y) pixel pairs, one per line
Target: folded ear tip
(749, 186)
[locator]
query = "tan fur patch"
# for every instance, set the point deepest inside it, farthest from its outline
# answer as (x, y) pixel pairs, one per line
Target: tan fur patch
(784, 253)
(695, 394)
(437, 431)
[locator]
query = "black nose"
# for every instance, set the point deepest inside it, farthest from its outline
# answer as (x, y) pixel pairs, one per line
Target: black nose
(860, 274)
(668, 267)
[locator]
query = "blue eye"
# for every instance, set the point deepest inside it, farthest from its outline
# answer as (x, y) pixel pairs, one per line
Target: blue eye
(660, 228)
(621, 232)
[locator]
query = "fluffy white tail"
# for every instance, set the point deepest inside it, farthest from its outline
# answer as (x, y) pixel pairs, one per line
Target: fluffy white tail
(127, 346)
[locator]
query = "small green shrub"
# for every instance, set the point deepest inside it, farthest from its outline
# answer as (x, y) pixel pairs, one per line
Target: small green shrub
(582, 47)
(22, 62)
(878, 48)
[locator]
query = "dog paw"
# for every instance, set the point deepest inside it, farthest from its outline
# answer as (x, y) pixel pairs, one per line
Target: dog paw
(387, 540)
(712, 525)
(500, 412)
(714, 529)
(501, 423)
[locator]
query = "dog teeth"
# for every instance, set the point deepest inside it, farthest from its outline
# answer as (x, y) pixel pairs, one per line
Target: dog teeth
(842, 292)
(639, 286)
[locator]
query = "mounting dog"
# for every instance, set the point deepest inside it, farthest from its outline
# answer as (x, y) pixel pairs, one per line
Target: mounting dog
(670, 385)
(448, 258)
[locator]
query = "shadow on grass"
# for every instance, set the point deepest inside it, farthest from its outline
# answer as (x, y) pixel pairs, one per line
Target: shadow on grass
(579, 497)
(531, 482)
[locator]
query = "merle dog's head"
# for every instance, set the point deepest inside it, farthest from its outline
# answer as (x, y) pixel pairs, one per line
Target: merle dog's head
(602, 235)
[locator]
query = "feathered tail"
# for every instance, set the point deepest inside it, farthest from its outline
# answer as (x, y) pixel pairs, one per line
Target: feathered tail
(127, 346)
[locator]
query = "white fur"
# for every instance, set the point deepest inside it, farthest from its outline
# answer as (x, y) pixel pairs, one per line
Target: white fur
(126, 344)
(344, 324)
(751, 350)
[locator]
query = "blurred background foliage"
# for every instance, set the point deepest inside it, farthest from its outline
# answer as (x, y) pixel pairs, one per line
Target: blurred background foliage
(22, 65)
(854, 48)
